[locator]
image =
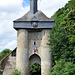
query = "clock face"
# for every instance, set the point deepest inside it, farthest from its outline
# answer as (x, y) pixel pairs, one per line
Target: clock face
(34, 24)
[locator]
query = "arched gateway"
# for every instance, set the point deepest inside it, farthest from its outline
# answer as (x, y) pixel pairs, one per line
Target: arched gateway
(35, 60)
(32, 38)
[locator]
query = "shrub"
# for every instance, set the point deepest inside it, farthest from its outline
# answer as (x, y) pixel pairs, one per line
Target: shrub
(16, 72)
(63, 68)
(35, 69)
(1, 72)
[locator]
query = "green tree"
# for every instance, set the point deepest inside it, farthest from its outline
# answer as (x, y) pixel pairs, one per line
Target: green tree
(59, 43)
(4, 53)
(69, 26)
(62, 36)
(71, 4)
(63, 68)
(35, 68)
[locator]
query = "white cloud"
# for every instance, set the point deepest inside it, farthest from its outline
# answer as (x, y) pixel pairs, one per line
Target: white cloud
(11, 44)
(6, 5)
(13, 9)
(9, 11)
(51, 6)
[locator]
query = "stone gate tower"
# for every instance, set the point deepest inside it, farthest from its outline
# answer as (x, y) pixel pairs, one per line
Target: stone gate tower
(32, 31)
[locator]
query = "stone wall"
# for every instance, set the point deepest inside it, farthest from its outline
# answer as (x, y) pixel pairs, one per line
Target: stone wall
(10, 65)
(22, 61)
(43, 50)
(26, 57)
(34, 37)
(45, 53)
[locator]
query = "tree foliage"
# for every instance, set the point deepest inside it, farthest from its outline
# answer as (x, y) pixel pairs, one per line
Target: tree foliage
(1, 72)
(35, 68)
(69, 26)
(4, 53)
(63, 68)
(16, 72)
(62, 36)
(62, 40)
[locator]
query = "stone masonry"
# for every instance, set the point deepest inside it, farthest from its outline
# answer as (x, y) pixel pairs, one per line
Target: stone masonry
(25, 42)
(33, 30)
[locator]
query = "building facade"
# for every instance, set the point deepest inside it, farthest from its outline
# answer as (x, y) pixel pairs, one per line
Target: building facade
(33, 30)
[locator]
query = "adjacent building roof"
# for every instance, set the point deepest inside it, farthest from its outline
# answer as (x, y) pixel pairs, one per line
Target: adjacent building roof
(39, 16)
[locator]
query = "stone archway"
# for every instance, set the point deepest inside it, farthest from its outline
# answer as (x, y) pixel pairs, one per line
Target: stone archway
(34, 59)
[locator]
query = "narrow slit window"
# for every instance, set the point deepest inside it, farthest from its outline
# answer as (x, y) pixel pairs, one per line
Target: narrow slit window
(34, 43)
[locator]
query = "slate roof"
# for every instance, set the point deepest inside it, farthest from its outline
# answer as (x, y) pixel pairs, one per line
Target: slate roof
(40, 16)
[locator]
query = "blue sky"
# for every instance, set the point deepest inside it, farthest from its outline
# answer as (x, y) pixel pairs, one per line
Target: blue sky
(25, 3)
(10, 10)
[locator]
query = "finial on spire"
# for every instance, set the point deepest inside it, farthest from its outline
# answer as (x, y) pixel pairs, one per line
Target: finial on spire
(33, 6)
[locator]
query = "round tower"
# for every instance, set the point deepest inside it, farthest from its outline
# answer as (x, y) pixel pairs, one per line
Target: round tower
(46, 62)
(22, 61)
